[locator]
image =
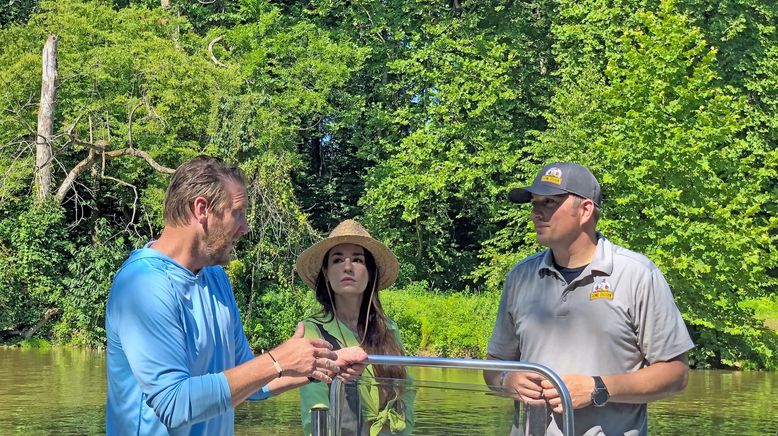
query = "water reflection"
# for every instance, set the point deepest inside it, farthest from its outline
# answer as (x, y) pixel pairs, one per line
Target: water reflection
(62, 391)
(52, 391)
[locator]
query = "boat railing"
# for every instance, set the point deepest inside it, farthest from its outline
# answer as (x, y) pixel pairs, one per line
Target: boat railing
(327, 422)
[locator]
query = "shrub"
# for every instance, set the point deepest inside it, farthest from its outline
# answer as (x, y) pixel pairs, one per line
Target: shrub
(445, 325)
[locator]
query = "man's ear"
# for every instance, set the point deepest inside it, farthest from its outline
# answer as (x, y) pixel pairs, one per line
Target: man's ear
(200, 209)
(587, 209)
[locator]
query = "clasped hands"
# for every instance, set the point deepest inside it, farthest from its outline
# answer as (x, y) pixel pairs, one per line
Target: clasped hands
(314, 358)
(534, 390)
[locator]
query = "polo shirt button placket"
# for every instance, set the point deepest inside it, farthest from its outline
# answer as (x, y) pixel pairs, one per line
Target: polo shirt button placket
(562, 309)
(570, 288)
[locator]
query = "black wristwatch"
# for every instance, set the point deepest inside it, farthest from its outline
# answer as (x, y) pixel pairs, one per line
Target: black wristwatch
(600, 393)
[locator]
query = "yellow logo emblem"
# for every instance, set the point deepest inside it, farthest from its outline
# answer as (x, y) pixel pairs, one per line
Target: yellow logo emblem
(553, 175)
(602, 289)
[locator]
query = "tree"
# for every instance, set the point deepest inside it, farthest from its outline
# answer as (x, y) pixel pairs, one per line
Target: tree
(687, 181)
(46, 111)
(449, 92)
(126, 89)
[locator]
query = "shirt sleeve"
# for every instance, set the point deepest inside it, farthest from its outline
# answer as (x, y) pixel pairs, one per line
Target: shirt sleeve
(661, 332)
(243, 351)
(504, 344)
(153, 339)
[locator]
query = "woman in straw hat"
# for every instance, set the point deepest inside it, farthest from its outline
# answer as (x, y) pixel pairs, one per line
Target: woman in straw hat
(347, 270)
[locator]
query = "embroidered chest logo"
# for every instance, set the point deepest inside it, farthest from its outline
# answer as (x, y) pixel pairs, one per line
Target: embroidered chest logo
(553, 175)
(602, 289)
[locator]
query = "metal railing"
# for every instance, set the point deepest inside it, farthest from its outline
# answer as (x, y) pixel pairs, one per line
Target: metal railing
(489, 365)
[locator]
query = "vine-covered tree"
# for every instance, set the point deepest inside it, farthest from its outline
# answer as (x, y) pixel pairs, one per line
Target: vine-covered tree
(416, 117)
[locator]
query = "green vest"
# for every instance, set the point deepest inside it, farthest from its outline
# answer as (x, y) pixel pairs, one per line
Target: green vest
(360, 412)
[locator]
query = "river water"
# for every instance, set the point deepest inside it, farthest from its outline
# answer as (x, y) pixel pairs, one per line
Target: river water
(62, 391)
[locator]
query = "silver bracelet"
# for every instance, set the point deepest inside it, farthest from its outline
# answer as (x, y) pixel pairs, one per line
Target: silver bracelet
(276, 365)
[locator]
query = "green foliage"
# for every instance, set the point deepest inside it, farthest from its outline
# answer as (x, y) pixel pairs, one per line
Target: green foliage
(265, 265)
(295, 103)
(272, 317)
(207, 14)
(765, 308)
(33, 252)
(135, 63)
(86, 286)
(442, 324)
(686, 182)
(35, 343)
(468, 91)
(416, 117)
(16, 11)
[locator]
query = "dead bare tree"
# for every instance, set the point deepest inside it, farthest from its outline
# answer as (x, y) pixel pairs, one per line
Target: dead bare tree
(97, 152)
(45, 131)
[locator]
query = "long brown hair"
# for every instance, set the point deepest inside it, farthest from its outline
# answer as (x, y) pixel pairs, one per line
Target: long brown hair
(373, 333)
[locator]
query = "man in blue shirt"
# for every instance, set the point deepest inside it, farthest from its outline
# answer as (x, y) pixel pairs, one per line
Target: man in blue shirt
(178, 358)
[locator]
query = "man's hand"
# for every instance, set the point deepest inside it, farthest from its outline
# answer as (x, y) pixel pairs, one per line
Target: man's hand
(525, 386)
(579, 386)
(300, 356)
(351, 361)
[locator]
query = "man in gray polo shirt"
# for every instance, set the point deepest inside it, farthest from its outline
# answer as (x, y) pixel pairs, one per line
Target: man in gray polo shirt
(601, 316)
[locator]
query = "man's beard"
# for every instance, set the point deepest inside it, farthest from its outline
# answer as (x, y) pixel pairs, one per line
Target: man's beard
(218, 246)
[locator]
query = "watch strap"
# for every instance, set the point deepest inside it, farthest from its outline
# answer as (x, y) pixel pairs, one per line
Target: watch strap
(600, 392)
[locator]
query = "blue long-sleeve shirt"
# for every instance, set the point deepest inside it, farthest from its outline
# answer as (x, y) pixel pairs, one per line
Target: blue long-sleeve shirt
(171, 334)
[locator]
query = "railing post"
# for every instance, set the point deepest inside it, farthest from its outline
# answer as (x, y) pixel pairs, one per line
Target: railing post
(319, 421)
(337, 396)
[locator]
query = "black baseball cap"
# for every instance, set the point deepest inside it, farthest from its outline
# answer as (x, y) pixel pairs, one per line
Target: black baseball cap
(560, 178)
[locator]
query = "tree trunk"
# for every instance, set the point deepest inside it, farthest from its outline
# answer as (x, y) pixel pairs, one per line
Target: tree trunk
(27, 334)
(45, 132)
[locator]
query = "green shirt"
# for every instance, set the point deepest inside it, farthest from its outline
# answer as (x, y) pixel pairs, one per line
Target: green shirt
(317, 394)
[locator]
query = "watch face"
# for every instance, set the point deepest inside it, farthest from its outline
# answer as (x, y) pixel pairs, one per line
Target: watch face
(600, 398)
(600, 394)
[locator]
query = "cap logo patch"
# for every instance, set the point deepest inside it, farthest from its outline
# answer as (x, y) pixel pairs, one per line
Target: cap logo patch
(601, 289)
(553, 175)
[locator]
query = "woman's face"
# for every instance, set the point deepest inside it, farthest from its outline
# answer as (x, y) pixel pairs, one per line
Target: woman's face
(346, 270)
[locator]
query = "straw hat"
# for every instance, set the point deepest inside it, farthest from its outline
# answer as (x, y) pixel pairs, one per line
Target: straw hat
(309, 262)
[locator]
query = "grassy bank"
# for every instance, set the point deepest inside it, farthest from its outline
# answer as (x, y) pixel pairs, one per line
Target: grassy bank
(459, 325)
(431, 323)
(445, 325)
(766, 308)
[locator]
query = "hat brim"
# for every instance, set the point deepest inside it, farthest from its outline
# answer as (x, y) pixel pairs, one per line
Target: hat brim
(309, 262)
(524, 195)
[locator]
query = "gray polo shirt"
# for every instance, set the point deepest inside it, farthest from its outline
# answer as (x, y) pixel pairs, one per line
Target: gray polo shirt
(616, 317)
